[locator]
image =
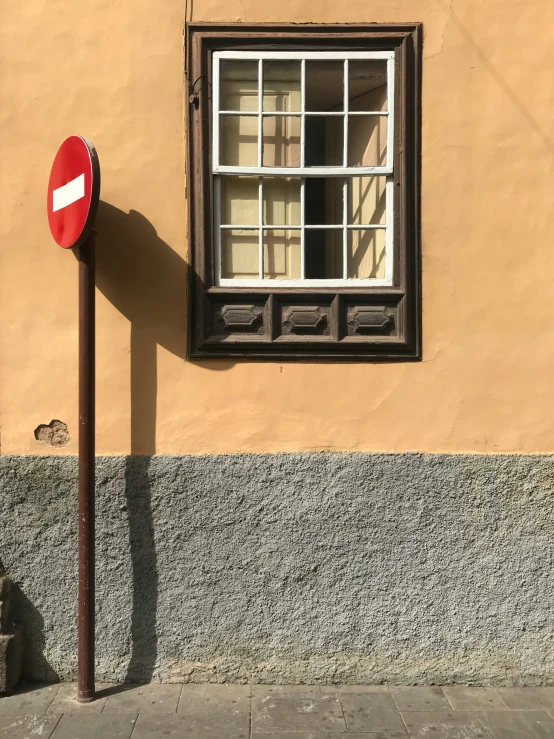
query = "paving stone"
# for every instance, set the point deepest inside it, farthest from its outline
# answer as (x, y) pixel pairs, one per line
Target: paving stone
(296, 735)
(517, 724)
(201, 698)
(283, 713)
(355, 689)
(27, 726)
(333, 735)
(527, 698)
(371, 712)
(31, 698)
(95, 726)
(220, 709)
(420, 699)
(444, 725)
(159, 726)
(278, 689)
(66, 700)
(144, 698)
(463, 698)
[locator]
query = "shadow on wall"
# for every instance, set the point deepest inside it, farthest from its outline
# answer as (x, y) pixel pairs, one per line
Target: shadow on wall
(27, 617)
(145, 280)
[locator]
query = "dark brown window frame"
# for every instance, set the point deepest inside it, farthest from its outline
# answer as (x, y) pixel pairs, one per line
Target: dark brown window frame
(283, 324)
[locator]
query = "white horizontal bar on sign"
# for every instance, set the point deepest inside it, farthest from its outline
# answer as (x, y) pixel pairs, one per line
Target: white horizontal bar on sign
(69, 193)
(319, 55)
(369, 282)
(303, 171)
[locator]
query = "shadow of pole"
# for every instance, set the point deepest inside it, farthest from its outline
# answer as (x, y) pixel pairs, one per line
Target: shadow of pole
(146, 281)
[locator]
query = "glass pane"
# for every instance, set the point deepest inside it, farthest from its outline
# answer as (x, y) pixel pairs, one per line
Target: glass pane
(281, 201)
(238, 85)
(282, 255)
(323, 254)
(282, 86)
(239, 201)
(324, 85)
(366, 253)
(367, 85)
(281, 141)
(238, 146)
(324, 141)
(323, 199)
(367, 200)
(367, 141)
(240, 254)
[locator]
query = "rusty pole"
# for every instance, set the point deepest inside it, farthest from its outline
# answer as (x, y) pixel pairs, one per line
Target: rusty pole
(85, 671)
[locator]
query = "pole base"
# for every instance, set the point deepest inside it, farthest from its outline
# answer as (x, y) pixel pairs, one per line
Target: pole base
(86, 698)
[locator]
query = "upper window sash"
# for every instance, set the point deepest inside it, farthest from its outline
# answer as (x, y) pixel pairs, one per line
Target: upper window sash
(303, 56)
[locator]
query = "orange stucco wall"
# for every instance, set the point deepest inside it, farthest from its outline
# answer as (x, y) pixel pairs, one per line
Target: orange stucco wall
(113, 72)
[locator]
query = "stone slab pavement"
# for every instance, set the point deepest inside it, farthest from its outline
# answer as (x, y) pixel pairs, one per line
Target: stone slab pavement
(165, 711)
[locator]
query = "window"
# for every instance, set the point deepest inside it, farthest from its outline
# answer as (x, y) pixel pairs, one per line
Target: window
(303, 182)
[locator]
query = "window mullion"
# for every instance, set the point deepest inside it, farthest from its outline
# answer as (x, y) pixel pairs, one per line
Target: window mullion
(302, 164)
(261, 230)
(215, 137)
(302, 229)
(217, 229)
(390, 108)
(303, 113)
(345, 228)
(260, 118)
(345, 132)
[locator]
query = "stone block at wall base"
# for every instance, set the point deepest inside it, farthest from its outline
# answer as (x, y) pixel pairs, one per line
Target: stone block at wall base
(11, 653)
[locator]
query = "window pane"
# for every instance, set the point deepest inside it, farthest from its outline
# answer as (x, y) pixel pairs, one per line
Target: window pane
(367, 141)
(324, 141)
(282, 255)
(367, 200)
(238, 85)
(367, 85)
(366, 253)
(239, 254)
(323, 258)
(324, 85)
(323, 199)
(281, 141)
(282, 86)
(239, 201)
(238, 141)
(281, 201)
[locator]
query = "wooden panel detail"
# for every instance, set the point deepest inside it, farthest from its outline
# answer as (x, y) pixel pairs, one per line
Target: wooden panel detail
(362, 320)
(244, 318)
(305, 319)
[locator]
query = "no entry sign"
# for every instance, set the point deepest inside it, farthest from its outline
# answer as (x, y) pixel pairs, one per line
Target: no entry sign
(73, 192)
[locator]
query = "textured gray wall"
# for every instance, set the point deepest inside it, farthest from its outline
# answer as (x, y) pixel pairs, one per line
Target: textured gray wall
(291, 567)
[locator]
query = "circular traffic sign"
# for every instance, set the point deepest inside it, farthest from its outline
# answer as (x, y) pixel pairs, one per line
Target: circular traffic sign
(73, 192)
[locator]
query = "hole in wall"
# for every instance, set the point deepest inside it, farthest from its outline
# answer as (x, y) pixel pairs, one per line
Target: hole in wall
(55, 434)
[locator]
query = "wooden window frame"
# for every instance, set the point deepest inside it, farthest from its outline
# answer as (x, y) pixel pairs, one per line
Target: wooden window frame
(374, 323)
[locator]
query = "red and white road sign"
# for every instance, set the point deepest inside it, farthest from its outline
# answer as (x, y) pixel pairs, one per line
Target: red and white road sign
(73, 192)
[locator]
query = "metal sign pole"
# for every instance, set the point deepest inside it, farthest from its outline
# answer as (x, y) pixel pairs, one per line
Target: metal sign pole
(86, 691)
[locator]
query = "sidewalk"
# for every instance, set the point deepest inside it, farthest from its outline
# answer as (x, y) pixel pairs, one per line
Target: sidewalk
(278, 712)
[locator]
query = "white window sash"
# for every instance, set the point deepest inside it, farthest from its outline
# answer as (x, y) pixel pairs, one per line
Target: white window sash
(304, 172)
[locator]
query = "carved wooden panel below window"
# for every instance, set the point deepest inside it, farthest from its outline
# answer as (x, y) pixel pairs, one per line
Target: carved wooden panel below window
(364, 320)
(242, 318)
(306, 320)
